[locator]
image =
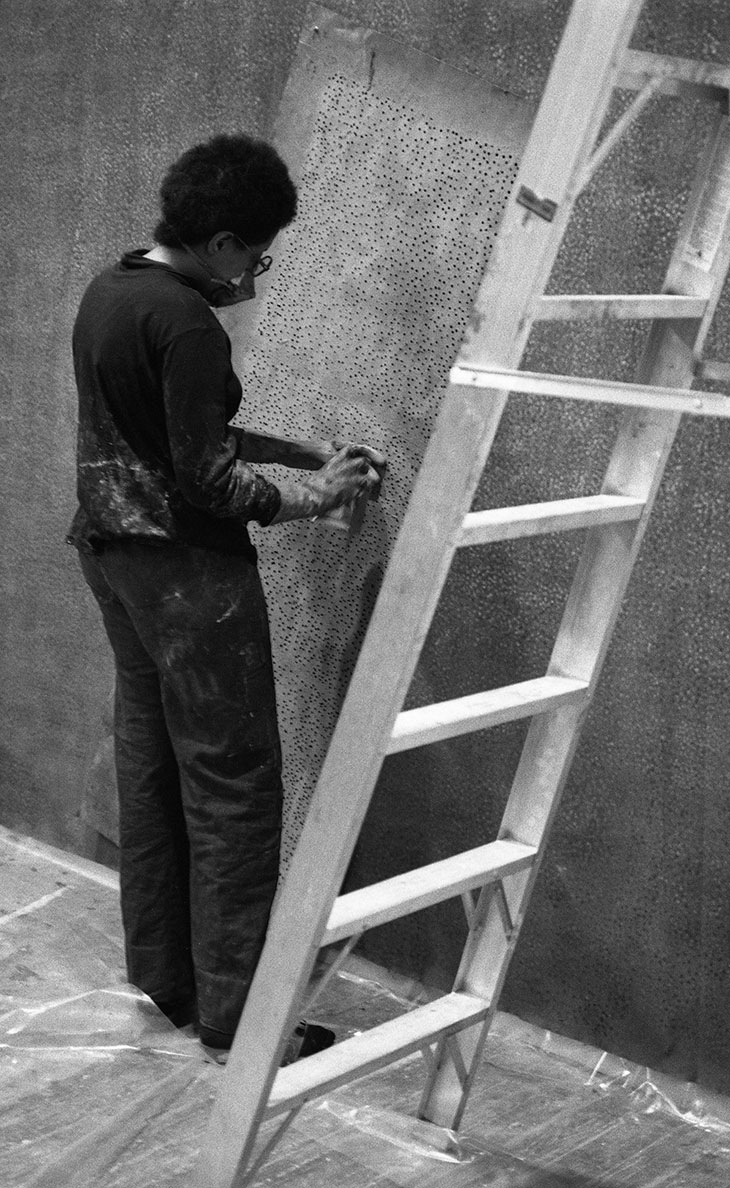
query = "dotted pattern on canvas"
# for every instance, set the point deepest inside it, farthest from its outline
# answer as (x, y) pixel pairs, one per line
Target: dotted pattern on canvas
(359, 327)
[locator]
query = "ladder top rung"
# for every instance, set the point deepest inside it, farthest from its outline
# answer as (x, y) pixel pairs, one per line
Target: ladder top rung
(373, 1049)
(556, 515)
(599, 306)
(478, 711)
(710, 80)
(414, 890)
(571, 387)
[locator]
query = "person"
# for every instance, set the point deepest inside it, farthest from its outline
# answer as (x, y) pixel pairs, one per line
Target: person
(166, 488)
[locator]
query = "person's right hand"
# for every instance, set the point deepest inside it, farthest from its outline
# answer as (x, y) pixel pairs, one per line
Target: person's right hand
(351, 472)
(354, 470)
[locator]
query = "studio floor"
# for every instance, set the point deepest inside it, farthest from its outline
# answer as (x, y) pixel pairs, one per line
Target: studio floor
(97, 1088)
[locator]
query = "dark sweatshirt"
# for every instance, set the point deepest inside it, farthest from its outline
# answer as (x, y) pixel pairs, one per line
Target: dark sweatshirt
(157, 459)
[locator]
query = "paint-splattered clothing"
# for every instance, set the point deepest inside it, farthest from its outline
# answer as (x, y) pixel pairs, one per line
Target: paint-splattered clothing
(157, 459)
(198, 765)
(161, 530)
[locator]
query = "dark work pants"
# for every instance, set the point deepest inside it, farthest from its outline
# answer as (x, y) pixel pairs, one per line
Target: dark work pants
(198, 768)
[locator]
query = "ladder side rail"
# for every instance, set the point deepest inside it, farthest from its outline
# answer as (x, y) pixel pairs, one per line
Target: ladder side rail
(636, 468)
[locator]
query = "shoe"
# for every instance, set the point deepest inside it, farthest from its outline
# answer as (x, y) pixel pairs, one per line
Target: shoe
(180, 1011)
(307, 1038)
(219, 1041)
(216, 1055)
(216, 1044)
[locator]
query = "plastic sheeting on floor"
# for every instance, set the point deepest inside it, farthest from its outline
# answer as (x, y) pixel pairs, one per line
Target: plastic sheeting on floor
(97, 1087)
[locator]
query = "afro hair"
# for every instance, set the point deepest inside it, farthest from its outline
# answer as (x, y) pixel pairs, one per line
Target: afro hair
(230, 183)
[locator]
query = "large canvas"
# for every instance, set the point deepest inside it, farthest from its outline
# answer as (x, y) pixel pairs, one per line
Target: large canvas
(404, 166)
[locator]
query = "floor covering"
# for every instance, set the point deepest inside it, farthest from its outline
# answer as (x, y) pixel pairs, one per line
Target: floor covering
(97, 1088)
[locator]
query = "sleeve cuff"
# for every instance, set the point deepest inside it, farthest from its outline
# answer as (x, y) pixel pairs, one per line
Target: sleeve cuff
(268, 502)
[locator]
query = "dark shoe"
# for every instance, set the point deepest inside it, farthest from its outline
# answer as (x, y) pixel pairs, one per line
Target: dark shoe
(181, 1011)
(220, 1041)
(307, 1039)
(216, 1044)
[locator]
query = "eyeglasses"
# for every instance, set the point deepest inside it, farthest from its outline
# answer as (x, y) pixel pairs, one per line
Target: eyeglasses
(260, 266)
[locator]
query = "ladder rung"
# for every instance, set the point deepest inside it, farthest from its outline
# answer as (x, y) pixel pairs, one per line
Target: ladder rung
(708, 80)
(535, 519)
(373, 1049)
(447, 719)
(597, 306)
(714, 370)
(571, 387)
(417, 889)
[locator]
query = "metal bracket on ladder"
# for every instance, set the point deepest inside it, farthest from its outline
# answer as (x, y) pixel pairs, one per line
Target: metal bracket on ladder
(544, 208)
(592, 61)
(508, 924)
(611, 139)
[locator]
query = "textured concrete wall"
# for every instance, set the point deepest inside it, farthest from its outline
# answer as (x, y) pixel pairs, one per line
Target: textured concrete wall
(628, 938)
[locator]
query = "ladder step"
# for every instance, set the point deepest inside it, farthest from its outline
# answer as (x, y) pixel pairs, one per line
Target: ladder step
(714, 370)
(416, 889)
(571, 387)
(597, 307)
(365, 1053)
(705, 80)
(535, 519)
(464, 715)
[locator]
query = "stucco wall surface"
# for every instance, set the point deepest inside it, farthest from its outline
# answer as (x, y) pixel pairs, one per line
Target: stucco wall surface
(627, 941)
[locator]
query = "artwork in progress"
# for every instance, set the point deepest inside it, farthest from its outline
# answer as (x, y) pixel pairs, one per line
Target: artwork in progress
(403, 167)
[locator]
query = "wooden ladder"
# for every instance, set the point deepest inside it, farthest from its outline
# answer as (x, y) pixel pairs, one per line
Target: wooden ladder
(495, 880)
